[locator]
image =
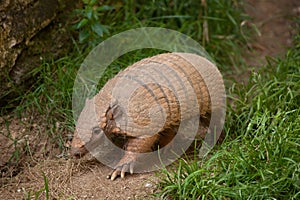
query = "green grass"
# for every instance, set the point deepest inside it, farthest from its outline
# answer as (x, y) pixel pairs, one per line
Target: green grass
(52, 91)
(260, 158)
(38, 193)
(48, 101)
(215, 24)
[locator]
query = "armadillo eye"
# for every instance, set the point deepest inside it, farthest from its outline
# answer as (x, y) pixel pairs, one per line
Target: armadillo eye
(96, 130)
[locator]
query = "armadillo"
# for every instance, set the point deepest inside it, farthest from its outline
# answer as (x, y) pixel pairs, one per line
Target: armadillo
(142, 108)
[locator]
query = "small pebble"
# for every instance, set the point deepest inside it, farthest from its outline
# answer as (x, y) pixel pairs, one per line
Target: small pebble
(148, 185)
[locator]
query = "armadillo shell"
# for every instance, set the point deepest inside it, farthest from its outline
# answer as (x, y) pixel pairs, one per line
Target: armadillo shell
(159, 92)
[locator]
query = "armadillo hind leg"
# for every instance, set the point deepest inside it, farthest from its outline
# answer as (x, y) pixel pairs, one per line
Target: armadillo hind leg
(133, 147)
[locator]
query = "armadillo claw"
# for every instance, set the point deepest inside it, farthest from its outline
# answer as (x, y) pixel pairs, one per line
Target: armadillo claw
(121, 171)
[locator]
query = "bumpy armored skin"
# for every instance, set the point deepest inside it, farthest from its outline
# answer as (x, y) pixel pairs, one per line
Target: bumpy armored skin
(141, 108)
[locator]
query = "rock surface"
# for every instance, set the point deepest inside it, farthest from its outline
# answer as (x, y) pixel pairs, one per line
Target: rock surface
(21, 24)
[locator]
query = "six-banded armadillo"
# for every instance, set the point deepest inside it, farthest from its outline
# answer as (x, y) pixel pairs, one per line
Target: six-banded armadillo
(143, 107)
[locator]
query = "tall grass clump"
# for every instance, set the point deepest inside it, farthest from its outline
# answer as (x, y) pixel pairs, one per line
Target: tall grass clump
(216, 24)
(49, 98)
(260, 158)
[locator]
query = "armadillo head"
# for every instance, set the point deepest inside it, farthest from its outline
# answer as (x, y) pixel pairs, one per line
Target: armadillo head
(87, 132)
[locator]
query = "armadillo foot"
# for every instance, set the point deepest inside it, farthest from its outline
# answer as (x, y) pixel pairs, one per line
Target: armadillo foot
(125, 164)
(134, 147)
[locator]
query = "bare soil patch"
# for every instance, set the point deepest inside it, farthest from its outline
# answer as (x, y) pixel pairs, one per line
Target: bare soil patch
(77, 179)
(274, 21)
(86, 178)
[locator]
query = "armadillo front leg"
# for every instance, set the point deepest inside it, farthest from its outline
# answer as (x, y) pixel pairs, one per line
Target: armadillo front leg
(133, 147)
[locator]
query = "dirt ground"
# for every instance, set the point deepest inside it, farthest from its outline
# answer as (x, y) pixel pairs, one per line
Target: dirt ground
(273, 18)
(86, 178)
